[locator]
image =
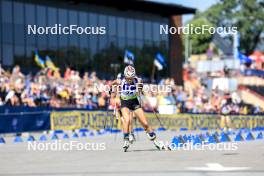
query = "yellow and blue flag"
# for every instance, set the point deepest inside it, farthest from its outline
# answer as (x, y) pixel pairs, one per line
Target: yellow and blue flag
(40, 62)
(50, 64)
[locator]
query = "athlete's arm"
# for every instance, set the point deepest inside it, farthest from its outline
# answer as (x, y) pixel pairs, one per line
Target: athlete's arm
(140, 85)
(114, 87)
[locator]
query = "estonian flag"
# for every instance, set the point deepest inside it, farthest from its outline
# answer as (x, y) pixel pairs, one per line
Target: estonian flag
(243, 58)
(38, 60)
(129, 58)
(159, 61)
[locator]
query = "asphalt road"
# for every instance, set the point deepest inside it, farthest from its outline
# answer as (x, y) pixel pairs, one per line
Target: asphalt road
(142, 158)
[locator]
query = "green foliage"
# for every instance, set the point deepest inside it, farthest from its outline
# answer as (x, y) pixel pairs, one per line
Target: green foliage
(200, 42)
(246, 15)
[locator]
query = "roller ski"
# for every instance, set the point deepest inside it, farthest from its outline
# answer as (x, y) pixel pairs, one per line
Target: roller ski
(126, 142)
(126, 145)
(132, 138)
(158, 144)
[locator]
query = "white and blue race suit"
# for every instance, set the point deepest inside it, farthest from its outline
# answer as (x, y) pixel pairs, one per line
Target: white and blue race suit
(128, 94)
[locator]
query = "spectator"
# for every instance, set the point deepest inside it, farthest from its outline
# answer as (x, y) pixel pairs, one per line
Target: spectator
(49, 88)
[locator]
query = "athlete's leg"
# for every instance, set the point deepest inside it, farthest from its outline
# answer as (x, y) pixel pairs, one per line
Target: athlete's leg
(130, 128)
(223, 123)
(150, 133)
(119, 114)
(126, 116)
(131, 131)
(143, 119)
(228, 123)
(126, 119)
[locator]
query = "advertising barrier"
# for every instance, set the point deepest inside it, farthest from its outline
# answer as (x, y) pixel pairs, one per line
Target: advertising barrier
(99, 119)
(70, 120)
(16, 119)
(26, 119)
(22, 122)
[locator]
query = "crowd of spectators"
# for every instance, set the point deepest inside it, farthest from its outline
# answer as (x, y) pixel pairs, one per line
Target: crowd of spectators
(70, 89)
(49, 88)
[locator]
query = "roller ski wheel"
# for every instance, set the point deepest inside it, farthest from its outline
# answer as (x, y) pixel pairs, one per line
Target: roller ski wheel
(126, 145)
(168, 147)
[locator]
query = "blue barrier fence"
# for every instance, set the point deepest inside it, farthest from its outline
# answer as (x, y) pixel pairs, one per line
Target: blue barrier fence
(18, 109)
(16, 123)
(28, 119)
(251, 72)
(16, 119)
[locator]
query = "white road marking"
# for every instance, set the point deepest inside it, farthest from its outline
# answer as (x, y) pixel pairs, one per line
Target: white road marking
(217, 167)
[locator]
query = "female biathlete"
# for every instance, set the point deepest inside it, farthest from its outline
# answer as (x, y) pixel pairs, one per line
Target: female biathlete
(129, 89)
(119, 116)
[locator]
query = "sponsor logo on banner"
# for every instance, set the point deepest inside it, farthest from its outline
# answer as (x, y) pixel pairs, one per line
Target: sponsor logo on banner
(69, 120)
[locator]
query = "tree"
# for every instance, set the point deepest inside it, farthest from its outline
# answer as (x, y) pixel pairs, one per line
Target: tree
(246, 15)
(200, 42)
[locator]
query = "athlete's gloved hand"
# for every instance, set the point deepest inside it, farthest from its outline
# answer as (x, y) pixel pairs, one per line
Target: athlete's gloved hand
(140, 86)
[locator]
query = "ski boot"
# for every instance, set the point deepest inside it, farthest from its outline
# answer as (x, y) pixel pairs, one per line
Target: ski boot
(132, 138)
(126, 145)
(152, 137)
(158, 144)
(126, 142)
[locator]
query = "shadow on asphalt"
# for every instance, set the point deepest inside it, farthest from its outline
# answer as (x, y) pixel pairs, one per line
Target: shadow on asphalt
(231, 154)
(145, 150)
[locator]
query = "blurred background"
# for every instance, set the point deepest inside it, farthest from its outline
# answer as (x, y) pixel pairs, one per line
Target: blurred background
(207, 72)
(50, 87)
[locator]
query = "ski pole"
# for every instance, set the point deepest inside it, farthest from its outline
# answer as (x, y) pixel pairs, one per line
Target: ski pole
(156, 115)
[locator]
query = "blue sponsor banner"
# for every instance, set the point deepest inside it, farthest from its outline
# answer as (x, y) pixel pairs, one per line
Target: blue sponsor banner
(251, 72)
(20, 109)
(16, 119)
(23, 122)
(29, 119)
